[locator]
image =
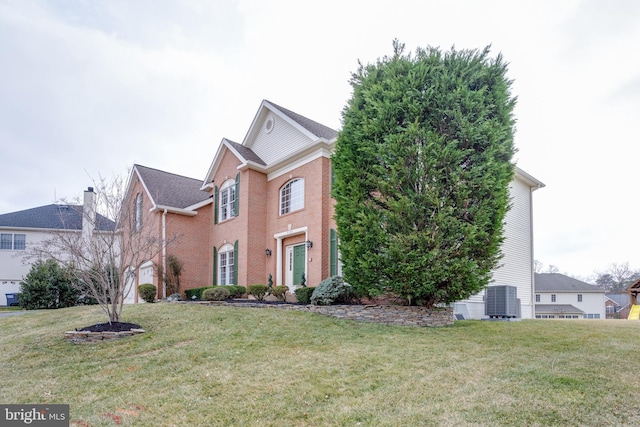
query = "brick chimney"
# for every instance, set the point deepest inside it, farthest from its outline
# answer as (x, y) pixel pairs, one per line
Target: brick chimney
(88, 213)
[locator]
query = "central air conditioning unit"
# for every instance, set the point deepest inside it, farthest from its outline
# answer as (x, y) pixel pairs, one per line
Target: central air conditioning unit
(502, 301)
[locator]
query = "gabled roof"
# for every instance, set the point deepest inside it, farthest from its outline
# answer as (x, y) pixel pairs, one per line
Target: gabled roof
(52, 217)
(557, 309)
(620, 299)
(556, 282)
(170, 190)
(318, 129)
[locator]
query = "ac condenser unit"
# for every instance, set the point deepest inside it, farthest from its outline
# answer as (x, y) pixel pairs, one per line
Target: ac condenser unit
(501, 301)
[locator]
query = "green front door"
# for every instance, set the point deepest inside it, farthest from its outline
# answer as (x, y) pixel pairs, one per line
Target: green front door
(299, 254)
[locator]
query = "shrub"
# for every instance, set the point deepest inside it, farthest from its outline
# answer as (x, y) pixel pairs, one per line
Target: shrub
(195, 292)
(280, 292)
(237, 291)
(216, 293)
(258, 291)
(147, 292)
(303, 295)
(48, 285)
(332, 291)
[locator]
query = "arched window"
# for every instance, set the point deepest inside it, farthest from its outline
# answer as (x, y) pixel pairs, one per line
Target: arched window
(228, 200)
(227, 265)
(292, 196)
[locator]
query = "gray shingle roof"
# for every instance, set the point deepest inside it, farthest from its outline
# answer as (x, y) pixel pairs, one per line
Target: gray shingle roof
(620, 299)
(557, 309)
(246, 152)
(53, 217)
(556, 282)
(312, 126)
(168, 189)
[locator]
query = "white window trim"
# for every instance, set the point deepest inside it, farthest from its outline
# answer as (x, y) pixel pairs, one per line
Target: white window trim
(224, 253)
(228, 189)
(299, 194)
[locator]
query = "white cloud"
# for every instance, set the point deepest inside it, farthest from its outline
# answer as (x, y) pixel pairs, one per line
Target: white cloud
(89, 88)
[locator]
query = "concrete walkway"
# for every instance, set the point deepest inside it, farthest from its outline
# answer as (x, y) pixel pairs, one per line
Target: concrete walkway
(11, 313)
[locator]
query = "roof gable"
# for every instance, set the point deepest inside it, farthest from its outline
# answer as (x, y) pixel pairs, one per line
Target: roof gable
(170, 190)
(277, 133)
(556, 282)
(53, 217)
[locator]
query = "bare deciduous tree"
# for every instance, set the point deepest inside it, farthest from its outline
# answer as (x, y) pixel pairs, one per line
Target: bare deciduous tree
(108, 246)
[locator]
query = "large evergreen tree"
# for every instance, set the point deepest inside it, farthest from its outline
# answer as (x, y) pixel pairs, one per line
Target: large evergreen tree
(422, 169)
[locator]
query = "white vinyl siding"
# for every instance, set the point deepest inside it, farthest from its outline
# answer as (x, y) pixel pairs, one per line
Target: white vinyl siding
(516, 267)
(283, 141)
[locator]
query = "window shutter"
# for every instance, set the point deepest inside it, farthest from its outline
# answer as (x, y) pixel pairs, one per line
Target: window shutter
(215, 204)
(236, 202)
(333, 253)
(235, 263)
(214, 282)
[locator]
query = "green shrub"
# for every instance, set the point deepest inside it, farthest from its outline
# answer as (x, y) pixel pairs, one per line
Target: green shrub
(280, 292)
(216, 293)
(48, 285)
(147, 292)
(237, 291)
(195, 292)
(258, 291)
(332, 291)
(303, 295)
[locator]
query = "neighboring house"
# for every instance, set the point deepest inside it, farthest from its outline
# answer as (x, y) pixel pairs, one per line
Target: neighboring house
(170, 208)
(516, 265)
(273, 211)
(21, 230)
(562, 297)
(617, 306)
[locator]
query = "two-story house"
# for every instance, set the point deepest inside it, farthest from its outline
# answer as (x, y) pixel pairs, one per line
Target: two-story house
(273, 211)
(21, 230)
(563, 297)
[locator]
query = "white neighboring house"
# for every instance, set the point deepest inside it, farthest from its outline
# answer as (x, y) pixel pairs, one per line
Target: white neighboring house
(21, 230)
(516, 265)
(563, 297)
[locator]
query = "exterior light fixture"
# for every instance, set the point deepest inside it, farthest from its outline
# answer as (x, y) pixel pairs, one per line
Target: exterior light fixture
(268, 252)
(309, 244)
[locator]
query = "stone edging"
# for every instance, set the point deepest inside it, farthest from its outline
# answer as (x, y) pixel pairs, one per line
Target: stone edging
(385, 314)
(90, 337)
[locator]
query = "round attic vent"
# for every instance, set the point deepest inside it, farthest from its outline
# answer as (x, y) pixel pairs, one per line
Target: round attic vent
(268, 125)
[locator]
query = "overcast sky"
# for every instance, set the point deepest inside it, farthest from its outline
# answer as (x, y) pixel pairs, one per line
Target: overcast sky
(88, 88)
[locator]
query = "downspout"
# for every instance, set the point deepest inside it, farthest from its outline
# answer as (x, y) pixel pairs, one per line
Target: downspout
(164, 254)
(533, 274)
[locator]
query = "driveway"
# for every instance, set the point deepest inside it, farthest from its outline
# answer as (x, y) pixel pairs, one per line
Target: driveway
(11, 313)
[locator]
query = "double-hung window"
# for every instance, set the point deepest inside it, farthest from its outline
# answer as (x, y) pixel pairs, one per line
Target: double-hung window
(15, 242)
(292, 196)
(227, 200)
(226, 264)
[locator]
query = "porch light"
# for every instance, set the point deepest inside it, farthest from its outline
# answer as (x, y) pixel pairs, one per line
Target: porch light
(268, 252)
(309, 244)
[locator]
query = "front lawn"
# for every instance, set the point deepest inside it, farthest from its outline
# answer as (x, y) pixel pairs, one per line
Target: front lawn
(201, 365)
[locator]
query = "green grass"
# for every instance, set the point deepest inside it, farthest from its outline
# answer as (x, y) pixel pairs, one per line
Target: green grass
(216, 366)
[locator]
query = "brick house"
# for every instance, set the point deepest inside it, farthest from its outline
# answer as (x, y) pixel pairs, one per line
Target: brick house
(265, 209)
(273, 213)
(172, 208)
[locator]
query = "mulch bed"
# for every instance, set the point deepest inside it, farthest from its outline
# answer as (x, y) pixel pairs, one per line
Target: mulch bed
(110, 327)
